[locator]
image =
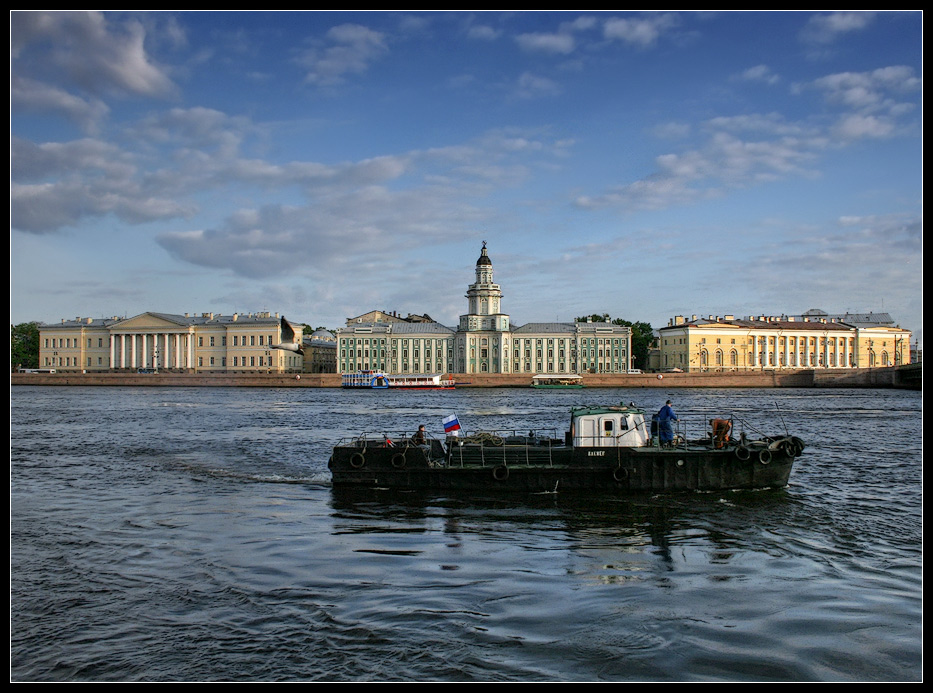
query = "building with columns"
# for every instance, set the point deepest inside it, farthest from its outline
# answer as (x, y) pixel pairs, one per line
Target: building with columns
(204, 343)
(485, 341)
(811, 340)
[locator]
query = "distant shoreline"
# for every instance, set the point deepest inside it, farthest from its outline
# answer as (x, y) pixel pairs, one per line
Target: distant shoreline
(907, 377)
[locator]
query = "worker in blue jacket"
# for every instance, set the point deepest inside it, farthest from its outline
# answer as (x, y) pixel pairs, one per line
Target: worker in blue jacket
(665, 426)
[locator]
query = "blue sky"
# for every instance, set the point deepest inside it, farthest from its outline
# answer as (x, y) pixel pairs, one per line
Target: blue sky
(323, 164)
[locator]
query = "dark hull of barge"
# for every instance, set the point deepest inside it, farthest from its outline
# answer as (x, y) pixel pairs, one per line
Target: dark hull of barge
(527, 469)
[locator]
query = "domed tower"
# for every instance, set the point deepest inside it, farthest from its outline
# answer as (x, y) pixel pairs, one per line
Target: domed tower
(485, 296)
(484, 329)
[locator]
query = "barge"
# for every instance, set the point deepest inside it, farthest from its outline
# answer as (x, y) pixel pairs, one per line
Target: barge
(607, 449)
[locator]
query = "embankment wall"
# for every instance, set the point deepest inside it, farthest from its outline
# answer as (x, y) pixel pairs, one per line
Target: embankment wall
(878, 377)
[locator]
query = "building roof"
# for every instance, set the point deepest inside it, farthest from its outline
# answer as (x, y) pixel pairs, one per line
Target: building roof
(569, 328)
(548, 327)
(798, 325)
(82, 322)
(260, 318)
(879, 319)
(814, 315)
(414, 328)
(786, 323)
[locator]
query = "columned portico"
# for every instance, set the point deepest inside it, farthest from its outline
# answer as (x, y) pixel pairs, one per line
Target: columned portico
(152, 349)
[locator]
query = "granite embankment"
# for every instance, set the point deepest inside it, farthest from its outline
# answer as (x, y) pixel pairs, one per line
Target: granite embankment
(878, 377)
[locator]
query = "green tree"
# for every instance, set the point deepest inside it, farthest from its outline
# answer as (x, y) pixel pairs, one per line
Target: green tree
(24, 345)
(642, 337)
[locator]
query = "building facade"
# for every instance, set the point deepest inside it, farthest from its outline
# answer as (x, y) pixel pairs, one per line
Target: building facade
(785, 342)
(320, 352)
(485, 341)
(208, 343)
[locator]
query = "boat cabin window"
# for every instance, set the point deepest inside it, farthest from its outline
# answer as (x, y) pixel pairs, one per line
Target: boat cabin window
(607, 426)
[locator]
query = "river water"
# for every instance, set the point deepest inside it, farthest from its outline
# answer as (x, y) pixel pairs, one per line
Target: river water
(191, 534)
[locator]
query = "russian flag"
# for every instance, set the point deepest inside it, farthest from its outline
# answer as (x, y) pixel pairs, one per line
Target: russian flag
(451, 425)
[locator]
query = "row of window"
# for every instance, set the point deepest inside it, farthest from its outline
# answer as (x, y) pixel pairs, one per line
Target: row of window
(68, 343)
(239, 340)
(251, 361)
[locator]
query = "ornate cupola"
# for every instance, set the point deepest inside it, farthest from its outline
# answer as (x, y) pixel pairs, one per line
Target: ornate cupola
(485, 296)
(485, 300)
(484, 267)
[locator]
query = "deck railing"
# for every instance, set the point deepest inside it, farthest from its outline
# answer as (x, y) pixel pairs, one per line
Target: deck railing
(504, 447)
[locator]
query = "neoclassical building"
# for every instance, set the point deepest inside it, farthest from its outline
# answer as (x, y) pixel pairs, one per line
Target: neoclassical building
(210, 342)
(320, 352)
(811, 340)
(485, 341)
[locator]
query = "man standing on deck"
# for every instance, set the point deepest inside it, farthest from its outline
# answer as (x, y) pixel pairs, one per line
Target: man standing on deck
(665, 426)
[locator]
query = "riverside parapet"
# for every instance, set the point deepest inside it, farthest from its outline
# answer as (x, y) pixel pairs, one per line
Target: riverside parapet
(901, 377)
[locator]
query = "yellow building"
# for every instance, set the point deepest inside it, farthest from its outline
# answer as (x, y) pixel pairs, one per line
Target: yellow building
(785, 342)
(207, 343)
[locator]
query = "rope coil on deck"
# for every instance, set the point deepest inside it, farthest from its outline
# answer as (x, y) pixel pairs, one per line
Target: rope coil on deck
(483, 439)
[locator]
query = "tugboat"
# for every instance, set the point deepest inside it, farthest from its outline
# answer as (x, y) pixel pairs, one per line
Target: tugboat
(607, 449)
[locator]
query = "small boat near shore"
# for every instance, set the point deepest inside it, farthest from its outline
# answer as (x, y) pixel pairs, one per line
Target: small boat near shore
(377, 380)
(566, 381)
(607, 449)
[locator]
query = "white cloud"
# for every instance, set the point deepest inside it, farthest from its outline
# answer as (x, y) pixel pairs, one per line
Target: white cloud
(642, 32)
(827, 28)
(346, 50)
(533, 86)
(100, 53)
(483, 32)
(31, 95)
(756, 148)
(562, 44)
(857, 126)
(759, 73)
(868, 90)
(726, 162)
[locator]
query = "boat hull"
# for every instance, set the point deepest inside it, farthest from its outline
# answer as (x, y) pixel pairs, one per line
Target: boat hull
(563, 469)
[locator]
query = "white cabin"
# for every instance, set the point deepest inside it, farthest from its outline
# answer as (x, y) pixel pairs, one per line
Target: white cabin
(609, 427)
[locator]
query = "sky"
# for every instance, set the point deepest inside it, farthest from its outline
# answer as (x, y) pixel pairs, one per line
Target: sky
(325, 164)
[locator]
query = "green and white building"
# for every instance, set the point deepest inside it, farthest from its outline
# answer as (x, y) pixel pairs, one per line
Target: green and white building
(485, 341)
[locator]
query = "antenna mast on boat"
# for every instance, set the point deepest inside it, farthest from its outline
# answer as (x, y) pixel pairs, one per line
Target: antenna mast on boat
(783, 423)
